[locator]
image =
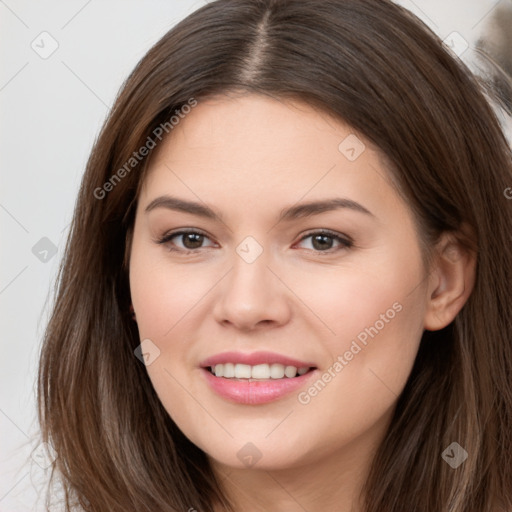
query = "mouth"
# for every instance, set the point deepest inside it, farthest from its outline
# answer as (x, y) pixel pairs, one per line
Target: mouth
(259, 372)
(256, 378)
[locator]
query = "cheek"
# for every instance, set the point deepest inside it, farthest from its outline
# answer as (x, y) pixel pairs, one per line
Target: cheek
(165, 298)
(377, 315)
(376, 291)
(164, 295)
(371, 362)
(372, 317)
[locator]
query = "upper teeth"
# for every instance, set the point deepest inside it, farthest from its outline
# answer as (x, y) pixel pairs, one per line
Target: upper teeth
(259, 371)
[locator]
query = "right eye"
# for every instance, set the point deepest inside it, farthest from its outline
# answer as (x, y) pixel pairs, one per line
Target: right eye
(191, 240)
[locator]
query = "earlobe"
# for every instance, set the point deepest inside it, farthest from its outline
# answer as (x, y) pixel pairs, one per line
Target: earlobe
(452, 281)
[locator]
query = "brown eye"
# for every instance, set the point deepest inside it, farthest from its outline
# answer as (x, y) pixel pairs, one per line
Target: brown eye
(192, 240)
(322, 241)
(186, 241)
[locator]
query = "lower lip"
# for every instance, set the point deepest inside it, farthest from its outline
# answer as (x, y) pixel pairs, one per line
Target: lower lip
(255, 392)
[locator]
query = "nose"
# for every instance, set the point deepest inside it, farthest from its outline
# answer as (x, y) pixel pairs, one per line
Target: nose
(252, 297)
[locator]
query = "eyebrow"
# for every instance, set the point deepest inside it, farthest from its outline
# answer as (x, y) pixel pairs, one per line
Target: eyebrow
(288, 214)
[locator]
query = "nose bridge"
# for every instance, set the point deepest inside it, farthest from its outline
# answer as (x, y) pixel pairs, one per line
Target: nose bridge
(249, 280)
(251, 293)
(250, 268)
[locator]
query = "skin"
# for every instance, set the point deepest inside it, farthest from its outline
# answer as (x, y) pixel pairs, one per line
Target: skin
(248, 157)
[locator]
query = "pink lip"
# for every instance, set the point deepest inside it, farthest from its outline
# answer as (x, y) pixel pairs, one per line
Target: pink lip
(253, 359)
(252, 392)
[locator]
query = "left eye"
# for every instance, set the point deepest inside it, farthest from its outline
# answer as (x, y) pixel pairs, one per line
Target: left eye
(322, 241)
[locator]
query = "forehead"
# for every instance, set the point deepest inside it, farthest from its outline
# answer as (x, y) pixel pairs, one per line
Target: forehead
(249, 149)
(254, 126)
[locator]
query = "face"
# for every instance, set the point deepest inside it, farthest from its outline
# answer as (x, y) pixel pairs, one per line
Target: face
(268, 239)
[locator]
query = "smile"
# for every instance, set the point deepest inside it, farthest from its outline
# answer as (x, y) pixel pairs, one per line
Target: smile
(256, 378)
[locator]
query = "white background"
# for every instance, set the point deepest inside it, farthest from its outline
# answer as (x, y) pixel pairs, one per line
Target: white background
(51, 112)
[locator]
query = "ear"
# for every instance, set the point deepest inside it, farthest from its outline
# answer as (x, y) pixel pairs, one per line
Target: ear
(451, 282)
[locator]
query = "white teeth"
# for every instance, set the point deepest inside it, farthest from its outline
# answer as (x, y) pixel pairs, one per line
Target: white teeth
(290, 371)
(242, 371)
(229, 370)
(276, 371)
(259, 371)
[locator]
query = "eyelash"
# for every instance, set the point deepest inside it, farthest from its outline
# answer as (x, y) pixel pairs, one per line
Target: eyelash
(345, 242)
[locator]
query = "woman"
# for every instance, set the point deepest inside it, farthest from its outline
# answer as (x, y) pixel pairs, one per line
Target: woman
(287, 283)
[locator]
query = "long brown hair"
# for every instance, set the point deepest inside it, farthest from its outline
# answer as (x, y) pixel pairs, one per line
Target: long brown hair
(378, 68)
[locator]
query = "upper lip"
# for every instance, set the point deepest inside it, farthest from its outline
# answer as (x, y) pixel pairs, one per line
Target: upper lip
(253, 359)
